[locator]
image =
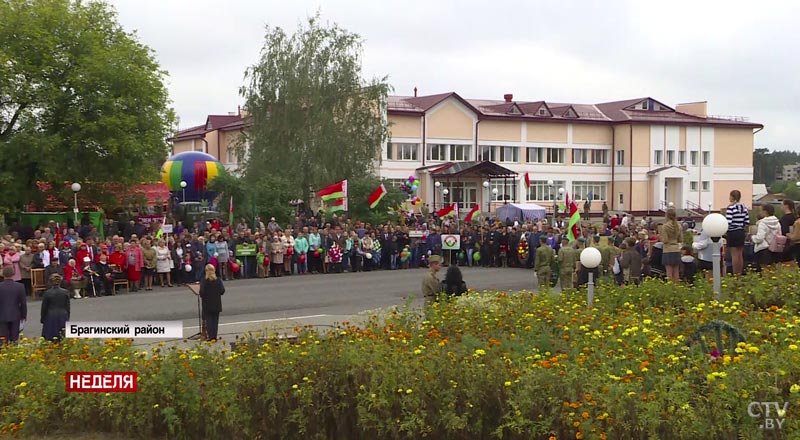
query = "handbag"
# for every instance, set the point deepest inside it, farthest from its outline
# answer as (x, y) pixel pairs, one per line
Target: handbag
(616, 267)
(778, 243)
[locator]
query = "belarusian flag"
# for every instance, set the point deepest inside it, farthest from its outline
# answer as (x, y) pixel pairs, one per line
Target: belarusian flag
(450, 210)
(335, 191)
(473, 214)
(527, 180)
(337, 205)
(376, 196)
(574, 218)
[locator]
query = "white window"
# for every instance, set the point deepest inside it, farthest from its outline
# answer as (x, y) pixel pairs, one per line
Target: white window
(658, 157)
(540, 191)
(509, 154)
(706, 185)
(463, 193)
(693, 185)
(681, 158)
(231, 154)
(555, 155)
(600, 157)
(401, 151)
(506, 191)
(488, 153)
(693, 158)
(580, 156)
(436, 152)
(706, 158)
(460, 152)
(395, 183)
(589, 190)
(536, 154)
(620, 157)
(670, 157)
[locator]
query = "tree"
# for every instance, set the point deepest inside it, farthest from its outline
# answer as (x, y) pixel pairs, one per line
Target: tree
(315, 119)
(359, 190)
(767, 164)
(267, 196)
(80, 99)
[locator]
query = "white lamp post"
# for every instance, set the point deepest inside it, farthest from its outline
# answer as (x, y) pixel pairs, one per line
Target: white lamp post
(551, 193)
(488, 199)
(183, 188)
(590, 259)
(709, 207)
(715, 226)
(560, 195)
(437, 187)
(76, 188)
(445, 192)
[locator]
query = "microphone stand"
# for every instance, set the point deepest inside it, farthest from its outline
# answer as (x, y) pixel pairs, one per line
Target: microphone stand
(201, 334)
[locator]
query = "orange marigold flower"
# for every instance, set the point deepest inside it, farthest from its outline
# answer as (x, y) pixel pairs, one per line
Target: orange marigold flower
(579, 435)
(576, 423)
(585, 415)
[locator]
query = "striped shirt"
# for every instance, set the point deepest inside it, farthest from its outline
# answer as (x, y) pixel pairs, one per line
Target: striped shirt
(738, 217)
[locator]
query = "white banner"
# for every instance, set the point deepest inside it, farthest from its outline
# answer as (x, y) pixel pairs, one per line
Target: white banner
(451, 242)
(125, 329)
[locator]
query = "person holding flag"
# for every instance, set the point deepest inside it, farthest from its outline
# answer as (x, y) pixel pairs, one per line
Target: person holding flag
(573, 228)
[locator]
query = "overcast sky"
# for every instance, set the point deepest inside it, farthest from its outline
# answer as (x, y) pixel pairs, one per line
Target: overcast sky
(740, 56)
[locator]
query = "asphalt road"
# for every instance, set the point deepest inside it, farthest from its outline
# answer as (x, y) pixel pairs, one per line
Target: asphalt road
(279, 303)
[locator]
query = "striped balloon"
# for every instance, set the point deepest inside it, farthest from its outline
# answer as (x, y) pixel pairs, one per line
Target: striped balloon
(193, 167)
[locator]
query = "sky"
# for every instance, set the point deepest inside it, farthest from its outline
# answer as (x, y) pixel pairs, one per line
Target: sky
(740, 56)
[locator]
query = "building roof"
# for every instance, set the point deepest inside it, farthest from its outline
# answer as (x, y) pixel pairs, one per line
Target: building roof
(641, 110)
(213, 122)
(152, 192)
(471, 169)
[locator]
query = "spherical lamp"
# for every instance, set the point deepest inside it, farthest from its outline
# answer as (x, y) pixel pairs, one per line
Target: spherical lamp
(437, 184)
(76, 187)
(590, 258)
(550, 182)
(561, 191)
(485, 183)
(715, 225)
(495, 191)
(445, 191)
(183, 184)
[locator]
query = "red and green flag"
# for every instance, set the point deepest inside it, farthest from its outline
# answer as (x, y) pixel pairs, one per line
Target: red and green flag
(527, 180)
(376, 196)
(450, 210)
(473, 214)
(337, 205)
(574, 230)
(334, 192)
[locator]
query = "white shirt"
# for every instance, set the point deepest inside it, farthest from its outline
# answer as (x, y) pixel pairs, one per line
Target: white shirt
(45, 258)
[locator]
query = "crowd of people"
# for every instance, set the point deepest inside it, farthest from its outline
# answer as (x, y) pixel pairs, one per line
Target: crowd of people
(78, 260)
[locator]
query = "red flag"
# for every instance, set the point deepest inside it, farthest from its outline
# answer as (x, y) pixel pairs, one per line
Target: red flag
(527, 180)
(574, 220)
(376, 196)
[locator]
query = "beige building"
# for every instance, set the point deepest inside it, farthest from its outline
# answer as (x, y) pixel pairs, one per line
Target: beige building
(217, 137)
(638, 155)
(789, 173)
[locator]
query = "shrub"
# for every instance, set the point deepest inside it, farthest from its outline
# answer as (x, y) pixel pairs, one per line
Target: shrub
(486, 365)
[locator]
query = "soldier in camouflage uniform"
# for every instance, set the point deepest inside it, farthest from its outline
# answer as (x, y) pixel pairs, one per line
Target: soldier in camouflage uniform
(567, 256)
(544, 260)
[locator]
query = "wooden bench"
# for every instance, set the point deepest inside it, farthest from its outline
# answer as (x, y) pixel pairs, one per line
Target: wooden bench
(38, 283)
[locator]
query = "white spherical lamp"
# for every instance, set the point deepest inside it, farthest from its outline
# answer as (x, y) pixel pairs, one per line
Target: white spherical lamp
(561, 190)
(590, 258)
(437, 184)
(76, 187)
(445, 191)
(183, 184)
(485, 183)
(715, 225)
(495, 191)
(550, 182)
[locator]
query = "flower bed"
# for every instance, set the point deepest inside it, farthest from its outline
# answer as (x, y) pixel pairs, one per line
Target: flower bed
(488, 365)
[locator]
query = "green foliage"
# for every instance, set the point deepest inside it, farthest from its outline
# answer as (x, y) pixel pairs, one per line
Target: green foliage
(359, 190)
(315, 119)
(766, 164)
(264, 195)
(80, 99)
(640, 364)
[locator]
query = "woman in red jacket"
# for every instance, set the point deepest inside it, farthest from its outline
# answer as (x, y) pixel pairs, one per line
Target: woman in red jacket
(73, 276)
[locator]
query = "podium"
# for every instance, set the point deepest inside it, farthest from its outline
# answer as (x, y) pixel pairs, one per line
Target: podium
(201, 323)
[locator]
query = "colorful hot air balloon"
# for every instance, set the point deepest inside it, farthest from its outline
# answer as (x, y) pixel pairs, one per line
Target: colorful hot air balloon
(195, 168)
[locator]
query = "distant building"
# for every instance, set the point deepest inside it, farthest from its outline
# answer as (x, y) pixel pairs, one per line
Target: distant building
(789, 173)
(217, 137)
(759, 191)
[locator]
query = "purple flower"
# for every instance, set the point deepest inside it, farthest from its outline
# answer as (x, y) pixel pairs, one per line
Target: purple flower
(715, 354)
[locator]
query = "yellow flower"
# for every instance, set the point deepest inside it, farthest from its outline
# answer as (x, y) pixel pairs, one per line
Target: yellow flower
(508, 383)
(155, 406)
(753, 349)
(417, 351)
(480, 352)
(793, 347)
(409, 391)
(794, 389)
(722, 387)
(294, 387)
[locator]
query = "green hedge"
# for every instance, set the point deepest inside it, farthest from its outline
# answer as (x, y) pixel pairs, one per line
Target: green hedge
(487, 365)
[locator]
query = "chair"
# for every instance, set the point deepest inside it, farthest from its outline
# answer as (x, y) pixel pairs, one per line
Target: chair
(38, 283)
(120, 282)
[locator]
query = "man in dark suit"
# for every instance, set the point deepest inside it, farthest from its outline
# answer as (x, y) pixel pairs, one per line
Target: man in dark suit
(13, 306)
(387, 249)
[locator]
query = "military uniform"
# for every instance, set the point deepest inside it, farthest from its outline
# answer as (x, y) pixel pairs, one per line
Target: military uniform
(544, 260)
(567, 256)
(431, 286)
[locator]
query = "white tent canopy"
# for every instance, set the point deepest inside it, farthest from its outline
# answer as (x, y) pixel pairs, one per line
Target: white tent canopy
(523, 211)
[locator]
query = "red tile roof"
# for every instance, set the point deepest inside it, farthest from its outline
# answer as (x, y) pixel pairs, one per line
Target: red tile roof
(189, 133)
(607, 112)
(152, 192)
(214, 122)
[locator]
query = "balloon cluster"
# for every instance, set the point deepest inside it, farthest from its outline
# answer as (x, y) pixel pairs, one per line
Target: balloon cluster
(404, 254)
(410, 187)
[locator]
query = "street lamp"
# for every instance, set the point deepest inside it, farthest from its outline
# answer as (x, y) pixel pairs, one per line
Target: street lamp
(436, 185)
(76, 188)
(550, 192)
(715, 226)
(183, 188)
(561, 192)
(709, 207)
(590, 259)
